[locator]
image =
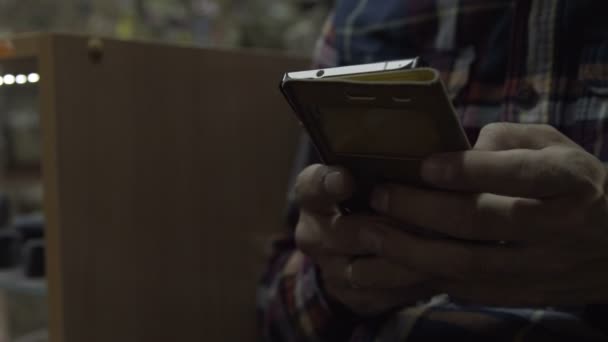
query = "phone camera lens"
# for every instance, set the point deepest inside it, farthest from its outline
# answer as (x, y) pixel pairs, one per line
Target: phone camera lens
(320, 73)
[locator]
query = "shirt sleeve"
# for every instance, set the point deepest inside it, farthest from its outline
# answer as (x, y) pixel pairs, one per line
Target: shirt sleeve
(291, 303)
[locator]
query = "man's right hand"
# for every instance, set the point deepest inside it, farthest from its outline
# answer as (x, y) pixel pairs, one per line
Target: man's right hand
(364, 283)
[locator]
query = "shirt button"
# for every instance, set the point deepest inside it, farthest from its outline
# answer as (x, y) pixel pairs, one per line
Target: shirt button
(527, 97)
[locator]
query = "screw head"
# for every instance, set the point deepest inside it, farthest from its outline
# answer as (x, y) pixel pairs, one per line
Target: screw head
(95, 49)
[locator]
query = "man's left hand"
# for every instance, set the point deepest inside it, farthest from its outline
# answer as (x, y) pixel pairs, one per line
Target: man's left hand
(533, 201)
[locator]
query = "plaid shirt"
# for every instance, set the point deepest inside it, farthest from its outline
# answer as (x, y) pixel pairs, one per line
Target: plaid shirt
(528, 61)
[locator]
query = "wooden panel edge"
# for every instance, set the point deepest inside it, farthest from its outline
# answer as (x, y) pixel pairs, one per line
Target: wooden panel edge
(50, 179)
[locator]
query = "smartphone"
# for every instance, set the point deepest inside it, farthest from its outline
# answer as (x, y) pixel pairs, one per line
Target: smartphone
(378, 120)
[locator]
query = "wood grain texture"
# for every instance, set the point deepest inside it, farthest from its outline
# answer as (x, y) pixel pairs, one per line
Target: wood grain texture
(162, 167)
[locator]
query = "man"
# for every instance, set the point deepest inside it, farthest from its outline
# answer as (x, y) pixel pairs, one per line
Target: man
(535, 181)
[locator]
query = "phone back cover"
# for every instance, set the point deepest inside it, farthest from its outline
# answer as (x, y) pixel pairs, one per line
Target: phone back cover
(420, 121)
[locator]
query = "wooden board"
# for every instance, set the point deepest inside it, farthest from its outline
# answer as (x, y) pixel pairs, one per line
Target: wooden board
(164, 168)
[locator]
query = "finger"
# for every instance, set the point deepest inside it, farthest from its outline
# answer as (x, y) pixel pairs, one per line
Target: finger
(521, 173)
(342, 236)
(369, 273)
(309, 233)
(318, 188)
(335, 235)
(450, 259)
(534, 290)
(482, 217)
(500, 136)
(379, 273)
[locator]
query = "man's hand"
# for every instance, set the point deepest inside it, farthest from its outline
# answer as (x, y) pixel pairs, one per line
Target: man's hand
(365, 284)
(535, 199)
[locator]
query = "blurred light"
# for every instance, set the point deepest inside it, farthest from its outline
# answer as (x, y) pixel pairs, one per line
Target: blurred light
(33, 77)
(21, 79)
(9, 79)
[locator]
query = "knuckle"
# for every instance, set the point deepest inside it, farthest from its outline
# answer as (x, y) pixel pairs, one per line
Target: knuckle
(496, 128)
(550, 134)
(308, 182)
(305, 238)
(544, 133)
(575, 158)
(575, 168)
(548, 130)
(541, 166)
(302, 240)
(496, 133)
(585, 170)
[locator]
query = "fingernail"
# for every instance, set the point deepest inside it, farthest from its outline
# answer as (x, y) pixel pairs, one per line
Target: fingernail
(334, 183)
(371, 240)
(435, 171)
(379, 199)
